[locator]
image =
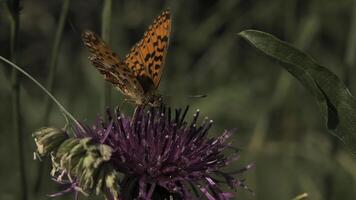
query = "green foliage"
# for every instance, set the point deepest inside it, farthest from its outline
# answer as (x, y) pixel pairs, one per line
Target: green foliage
(337, 104)
(48, 140)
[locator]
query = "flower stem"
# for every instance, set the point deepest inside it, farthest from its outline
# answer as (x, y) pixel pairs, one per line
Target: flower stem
(50, 84)
(105, 34)
(14, 8)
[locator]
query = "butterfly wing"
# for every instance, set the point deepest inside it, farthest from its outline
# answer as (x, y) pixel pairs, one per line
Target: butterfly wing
(146, 59)
(108, 64)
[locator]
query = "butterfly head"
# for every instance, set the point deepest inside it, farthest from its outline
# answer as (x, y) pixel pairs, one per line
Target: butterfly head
(153, 100)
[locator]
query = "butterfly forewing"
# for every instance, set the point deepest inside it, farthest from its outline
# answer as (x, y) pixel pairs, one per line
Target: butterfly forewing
(108, 64)
(139, 74)
(146, 59)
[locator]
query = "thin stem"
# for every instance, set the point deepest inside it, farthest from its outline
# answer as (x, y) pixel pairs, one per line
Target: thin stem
(61, 107)
(53, 62)
(105, 34)
(14, 8)
(290, 19)
(350, 57)
(54, 56)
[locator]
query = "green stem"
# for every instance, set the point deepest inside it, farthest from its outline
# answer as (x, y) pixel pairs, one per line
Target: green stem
(44, 89)
(53, 62)
(290, 19)
(350, 57)
(54, 57)
(14, 8)
(105, 34)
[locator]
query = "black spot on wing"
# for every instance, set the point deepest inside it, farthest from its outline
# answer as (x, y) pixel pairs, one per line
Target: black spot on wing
(150, 68)
(158, 58)
(161, 49)
(146, 83)
(163, 39)
(150, 55)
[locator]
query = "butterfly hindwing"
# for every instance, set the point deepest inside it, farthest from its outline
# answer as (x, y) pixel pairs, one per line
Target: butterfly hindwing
(108, 64)
(146, 59)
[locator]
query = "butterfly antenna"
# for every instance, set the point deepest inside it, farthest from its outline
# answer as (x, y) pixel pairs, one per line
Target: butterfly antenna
(74, 29)
(199, 96)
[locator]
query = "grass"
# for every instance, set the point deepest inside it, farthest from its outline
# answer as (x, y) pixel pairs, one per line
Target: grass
(53, 62)
(14, 11)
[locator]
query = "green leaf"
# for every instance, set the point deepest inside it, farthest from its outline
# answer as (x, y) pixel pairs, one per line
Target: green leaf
(336, 103)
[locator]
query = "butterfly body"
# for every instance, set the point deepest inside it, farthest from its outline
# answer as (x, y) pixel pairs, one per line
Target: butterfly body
(139, 74)
(150, 95)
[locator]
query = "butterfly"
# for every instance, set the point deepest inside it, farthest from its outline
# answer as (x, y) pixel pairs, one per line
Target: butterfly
(139, 74)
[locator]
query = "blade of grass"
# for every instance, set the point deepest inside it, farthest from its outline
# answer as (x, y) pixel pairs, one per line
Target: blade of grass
(53, 62)
(105, 34)
(14, 10)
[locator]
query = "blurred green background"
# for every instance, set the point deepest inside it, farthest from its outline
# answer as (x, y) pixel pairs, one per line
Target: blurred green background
(278, 124)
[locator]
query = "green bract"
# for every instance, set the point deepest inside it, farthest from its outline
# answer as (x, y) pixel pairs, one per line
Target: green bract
(49, 139)
(80, 158)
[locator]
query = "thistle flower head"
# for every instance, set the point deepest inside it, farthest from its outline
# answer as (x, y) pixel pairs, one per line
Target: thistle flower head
(162, 156)
(158, 149)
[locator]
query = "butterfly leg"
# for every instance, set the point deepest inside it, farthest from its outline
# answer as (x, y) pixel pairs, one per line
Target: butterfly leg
(124, 101)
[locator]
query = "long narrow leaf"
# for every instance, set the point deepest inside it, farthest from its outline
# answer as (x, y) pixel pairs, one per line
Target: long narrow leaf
(336, 103)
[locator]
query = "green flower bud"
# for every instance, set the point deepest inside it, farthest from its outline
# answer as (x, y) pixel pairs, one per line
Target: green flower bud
(49, 139)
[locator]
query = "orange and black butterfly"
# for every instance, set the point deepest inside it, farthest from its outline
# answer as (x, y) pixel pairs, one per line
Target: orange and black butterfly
(139, 74)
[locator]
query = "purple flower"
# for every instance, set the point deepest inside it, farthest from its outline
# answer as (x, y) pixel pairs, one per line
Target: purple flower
(162, 156)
